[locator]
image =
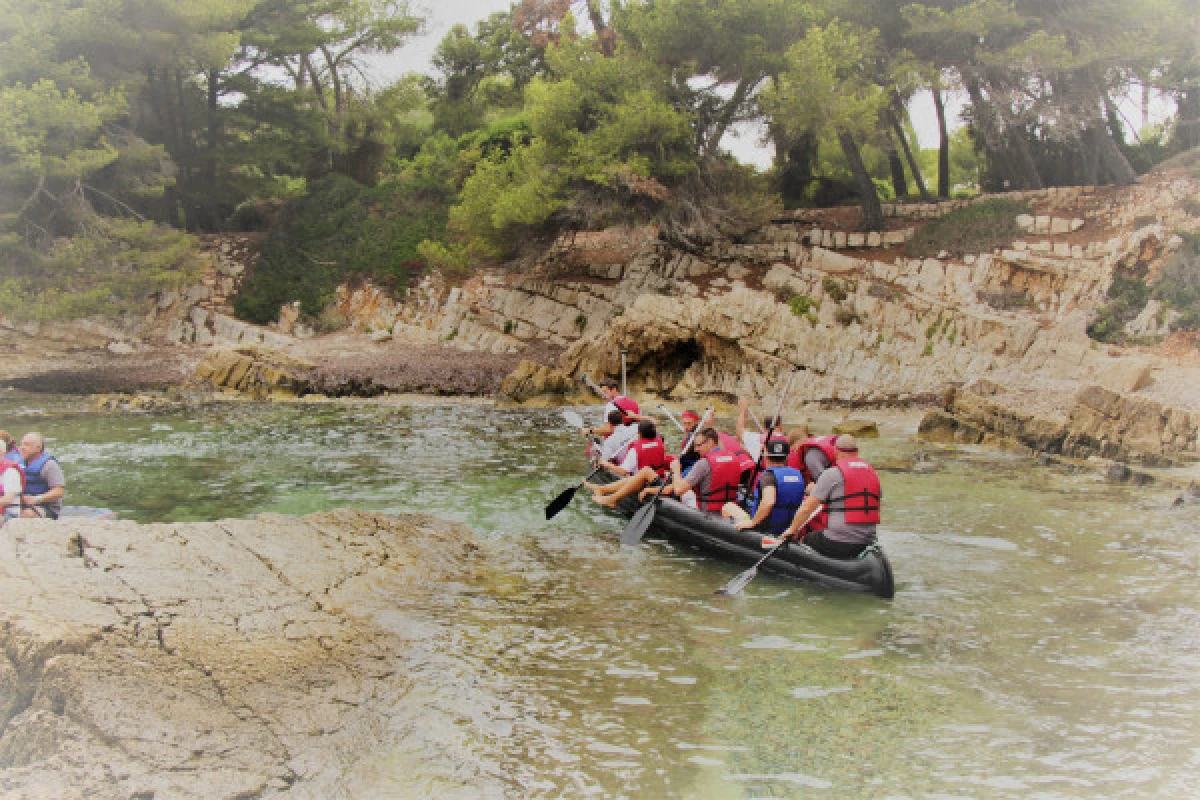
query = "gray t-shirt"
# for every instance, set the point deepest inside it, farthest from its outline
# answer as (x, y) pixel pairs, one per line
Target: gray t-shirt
(832, 484)
(816, 462)
(700, 477)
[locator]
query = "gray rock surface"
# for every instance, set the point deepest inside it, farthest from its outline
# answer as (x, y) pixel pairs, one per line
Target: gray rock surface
(275, 657)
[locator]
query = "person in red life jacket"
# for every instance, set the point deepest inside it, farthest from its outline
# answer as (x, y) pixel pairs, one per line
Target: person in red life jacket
(852, 496)
(615, 446)
(44, 483)
(777, 494)
(12, 485)
(715, 479)
(629, 409)
(646, 462)
(814, 455)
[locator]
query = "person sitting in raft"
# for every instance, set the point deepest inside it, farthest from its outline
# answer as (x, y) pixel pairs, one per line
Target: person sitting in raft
(751, 441)
(688, 458)
(44, 483)
(777, 494)
(645, 462)
(852, 496)
(715, 479)
(629, 409)
(813, 456)
(8, 449)
(616, 443)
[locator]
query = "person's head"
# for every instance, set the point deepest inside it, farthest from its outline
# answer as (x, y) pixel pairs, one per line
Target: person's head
(616, 418)
(706, 440)
(846, 446)
(7, 442)
(773, 423)
(647, 429)
(777, 452)
(690, 420)
(610, 388)
(32, 446)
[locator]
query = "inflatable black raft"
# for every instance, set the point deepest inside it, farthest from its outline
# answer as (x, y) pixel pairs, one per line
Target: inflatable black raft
(870, 574)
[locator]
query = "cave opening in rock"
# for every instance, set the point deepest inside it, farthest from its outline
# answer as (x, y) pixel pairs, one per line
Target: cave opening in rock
(660, 371)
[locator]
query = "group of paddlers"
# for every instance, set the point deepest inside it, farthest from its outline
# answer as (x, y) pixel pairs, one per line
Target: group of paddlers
(31, 480)
(796, 486)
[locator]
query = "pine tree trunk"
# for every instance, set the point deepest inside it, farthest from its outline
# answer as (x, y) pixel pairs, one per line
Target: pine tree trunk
(899, 184)
(871, 207)
(728, 113)
(943, 144)
(913, 166)
(1110, 155)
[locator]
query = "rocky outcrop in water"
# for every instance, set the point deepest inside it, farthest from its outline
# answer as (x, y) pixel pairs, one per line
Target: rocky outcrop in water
(274, 657)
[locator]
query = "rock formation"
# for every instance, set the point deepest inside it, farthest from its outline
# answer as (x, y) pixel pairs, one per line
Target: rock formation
(275, 657)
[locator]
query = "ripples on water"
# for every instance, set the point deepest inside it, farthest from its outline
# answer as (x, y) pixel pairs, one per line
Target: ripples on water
(1043, 641)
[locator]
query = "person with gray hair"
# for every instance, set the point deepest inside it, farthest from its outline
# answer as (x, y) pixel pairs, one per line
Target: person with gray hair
(44, 482)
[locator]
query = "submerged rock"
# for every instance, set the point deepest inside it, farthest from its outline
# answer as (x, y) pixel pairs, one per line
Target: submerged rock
(241, 658)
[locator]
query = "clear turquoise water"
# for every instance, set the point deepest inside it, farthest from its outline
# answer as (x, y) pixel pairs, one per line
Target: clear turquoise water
(1043, 641)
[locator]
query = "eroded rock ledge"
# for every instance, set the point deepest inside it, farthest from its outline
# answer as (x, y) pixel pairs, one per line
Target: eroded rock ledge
(275, 657)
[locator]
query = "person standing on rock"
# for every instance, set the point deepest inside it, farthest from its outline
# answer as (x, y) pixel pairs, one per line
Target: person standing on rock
(44, 482)
(852, 496)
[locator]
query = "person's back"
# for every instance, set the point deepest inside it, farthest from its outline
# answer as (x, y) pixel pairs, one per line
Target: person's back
(851, 492)
(12, 485)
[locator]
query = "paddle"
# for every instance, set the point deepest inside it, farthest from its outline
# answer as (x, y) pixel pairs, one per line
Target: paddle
(573, 419)
(592, 385)
(563, 500)
(671, 417)
(766, 435)
(741, 581)
(640, 521)
(624, 383)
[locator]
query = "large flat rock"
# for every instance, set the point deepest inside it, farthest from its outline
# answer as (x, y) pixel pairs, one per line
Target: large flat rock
(241, 658)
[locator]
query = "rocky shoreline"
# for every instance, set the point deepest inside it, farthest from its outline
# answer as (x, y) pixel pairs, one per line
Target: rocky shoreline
(273, 657)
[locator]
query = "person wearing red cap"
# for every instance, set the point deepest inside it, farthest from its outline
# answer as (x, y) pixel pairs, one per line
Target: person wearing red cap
(851, 494)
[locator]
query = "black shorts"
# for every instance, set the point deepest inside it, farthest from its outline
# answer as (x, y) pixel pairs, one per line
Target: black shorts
(833, 548)
(45, 512)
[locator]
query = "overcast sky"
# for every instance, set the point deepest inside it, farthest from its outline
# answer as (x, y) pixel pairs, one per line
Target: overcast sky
(744, 142)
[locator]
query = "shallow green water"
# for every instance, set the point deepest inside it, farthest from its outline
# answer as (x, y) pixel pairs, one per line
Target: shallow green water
(1043, 641)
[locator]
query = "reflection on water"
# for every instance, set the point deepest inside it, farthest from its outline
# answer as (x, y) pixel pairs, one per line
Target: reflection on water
(1043, 641)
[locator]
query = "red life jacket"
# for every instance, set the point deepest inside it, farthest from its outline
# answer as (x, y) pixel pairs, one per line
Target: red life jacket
(726, 478)
(861, 492)
(730, 444)
(822, 443)
(652, 453)
(626, 406)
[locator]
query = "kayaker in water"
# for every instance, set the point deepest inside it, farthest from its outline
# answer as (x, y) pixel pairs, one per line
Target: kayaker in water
(629, 409)
(645, 462)
(777, 494)
(44, 482)
(616, 442)
(813, 456)
(752, 441)
(715, 477)
(852, 497)
(12, 483)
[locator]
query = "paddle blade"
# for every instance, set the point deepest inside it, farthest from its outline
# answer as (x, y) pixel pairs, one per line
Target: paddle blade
(740, 582)
(573, 419)
(559, 503)
(638, 524)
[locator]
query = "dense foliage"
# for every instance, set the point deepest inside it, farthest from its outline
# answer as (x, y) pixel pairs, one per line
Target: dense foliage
(123, 122)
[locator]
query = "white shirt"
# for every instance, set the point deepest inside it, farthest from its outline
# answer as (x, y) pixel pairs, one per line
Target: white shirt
(11, 485)
(617, 444)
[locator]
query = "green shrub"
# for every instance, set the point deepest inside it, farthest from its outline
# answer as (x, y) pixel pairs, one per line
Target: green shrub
(340, 232)
(1178, 284)
(1127, 296)
(979, 228)
(114, 268)
(833, 288)
(801, 304)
